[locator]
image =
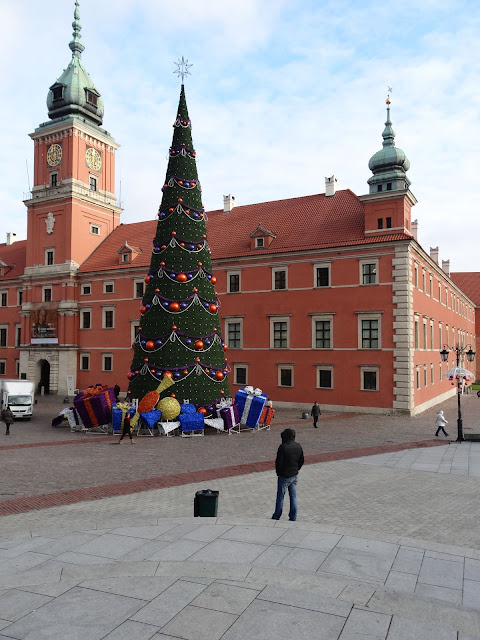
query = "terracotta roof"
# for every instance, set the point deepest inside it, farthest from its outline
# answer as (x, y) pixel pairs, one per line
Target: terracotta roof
(469, 283)
(305, 223)
(13, 255)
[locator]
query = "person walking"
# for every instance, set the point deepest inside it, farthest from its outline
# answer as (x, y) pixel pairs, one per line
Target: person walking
(127, 431)
(441, 422)
(288, 463)
(7, 417)
(316, 411)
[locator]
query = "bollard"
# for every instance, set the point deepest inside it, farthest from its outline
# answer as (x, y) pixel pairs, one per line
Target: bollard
(205, 504)
(305, 415)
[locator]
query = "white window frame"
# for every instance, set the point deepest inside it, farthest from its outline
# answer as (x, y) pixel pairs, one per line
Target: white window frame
(106, 284)
(135, 283)
(17, 368)
(234, 273)
(95, 229)
(3, 365)
(324, 317)
(260, 243)
(4, 326)
(104, 356)
(417, 376)
(278, 270)
(86, 284)
(133, 324)
(82, 318)
(47, 251)
(125, 257)
(432, 374)
(324, 367)
(240, 365)
(369, 369)
(44, 289)
(104, 315)
(369, 316)
(80, 364)
(228, 322)
(425, 376)
(289, 367)
(274, 319)
(19, 297)
(432, 336)
(322, 265)
(4, 292)
(17, 327)
(361, 264)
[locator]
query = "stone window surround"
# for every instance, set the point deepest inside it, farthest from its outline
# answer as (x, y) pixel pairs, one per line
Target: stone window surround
(52, 251)
(86, 284)
(361, 263)
(369, 315)
(235, 272)
(322, 265)
(322, 317)
(273, 320)
(240, 365)
(286, 366)
(278, 270)
(324, 367)
(82, 319)
(367, 368)
(82, 356)
(105, 309)
(104, 356)
(135, 283)
(234, 320)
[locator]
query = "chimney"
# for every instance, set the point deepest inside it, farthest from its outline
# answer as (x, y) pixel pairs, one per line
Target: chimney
(415, 229)
(330, 186)
(446, 266)
(11, 237)
(434, 251)
(228, 203)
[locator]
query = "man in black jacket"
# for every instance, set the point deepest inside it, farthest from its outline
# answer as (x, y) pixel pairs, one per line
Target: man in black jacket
(288, 463)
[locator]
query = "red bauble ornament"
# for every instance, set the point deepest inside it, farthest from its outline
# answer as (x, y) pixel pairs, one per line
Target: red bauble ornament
(174, 327)
(164, 246)
(199, 264)
(213, 308)
(143, 309)
(213, 280)
(222, 392)
(182, 244)
(195, 290)
(172, 395)
(171, 210)
(198, 344)
(174, 306)
(182, 277)
(180, 200)
(162, 264)
(169, 374)
(145, 359)
(219, 375)
(147, 279)
(202, 410)
(197, 359)
(225, 347)
(174, 233)
(185, 371)
(157, 290)
(150, 345)
(130, 375)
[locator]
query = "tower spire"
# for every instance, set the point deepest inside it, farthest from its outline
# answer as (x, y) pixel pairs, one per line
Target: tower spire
(75, 45)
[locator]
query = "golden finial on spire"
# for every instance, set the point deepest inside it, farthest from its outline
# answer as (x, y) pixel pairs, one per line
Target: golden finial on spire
(389, 91)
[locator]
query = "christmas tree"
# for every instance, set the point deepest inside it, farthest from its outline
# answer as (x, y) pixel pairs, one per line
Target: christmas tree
(180, 332)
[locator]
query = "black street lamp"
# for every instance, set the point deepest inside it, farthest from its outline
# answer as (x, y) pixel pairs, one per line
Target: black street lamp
(459, 351)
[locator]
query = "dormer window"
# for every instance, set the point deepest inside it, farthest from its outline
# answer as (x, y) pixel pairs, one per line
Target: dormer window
(379, 187)
(125, 257)
(57, 92)
(92, 98)
(259, 243)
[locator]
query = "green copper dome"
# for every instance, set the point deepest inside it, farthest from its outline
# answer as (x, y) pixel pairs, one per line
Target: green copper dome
(74, 92)
(389, 165)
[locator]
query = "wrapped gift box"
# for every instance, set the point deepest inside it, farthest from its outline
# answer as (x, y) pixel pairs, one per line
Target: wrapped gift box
(151, 418)
(250, 406)
(188, 407)
(230, 416)
(191, 421)
(117, 418)
(267, 416)
(169, 426)
(94, 406)
(216, 423)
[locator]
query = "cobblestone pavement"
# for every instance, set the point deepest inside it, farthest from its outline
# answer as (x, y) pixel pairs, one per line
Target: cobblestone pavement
(38, 459)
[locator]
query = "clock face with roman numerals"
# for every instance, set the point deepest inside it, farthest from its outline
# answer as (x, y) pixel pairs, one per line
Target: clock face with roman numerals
(54, 155)
(93, 159)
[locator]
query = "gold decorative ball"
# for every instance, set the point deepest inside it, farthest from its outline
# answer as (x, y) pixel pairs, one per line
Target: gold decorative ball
(169, 407)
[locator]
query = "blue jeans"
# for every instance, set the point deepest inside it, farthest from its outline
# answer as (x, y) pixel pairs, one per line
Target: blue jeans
(282, 485)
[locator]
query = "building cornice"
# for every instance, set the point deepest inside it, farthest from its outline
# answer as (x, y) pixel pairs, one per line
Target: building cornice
(389, 195)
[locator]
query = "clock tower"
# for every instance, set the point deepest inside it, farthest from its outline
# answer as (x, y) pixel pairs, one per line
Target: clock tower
(72, 208)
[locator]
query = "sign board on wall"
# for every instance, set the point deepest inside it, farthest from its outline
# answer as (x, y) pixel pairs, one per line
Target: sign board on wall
(70, 386)
(43, 318)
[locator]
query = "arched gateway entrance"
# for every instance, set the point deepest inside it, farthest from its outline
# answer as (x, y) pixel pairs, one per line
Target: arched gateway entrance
(43, 376)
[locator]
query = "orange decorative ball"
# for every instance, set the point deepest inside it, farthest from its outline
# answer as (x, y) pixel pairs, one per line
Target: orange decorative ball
(213, 280)
(162, 264)
(147, 279)
(197, 359)
(169, 374)
(225, 347)
(150, 345)
(145, 359)
(219, 375)
(174, 327)
(202, 410)
(200, 264)
(174, 233)
(195, 290)
(174, 306)
(143, 309)
(182, 277)
(213, 308)
(198, 344)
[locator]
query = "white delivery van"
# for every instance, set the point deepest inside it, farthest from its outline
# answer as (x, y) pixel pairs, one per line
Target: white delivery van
(18, 395)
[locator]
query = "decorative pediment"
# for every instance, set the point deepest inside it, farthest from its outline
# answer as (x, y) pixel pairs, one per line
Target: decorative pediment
(128, 253)
(261, 237)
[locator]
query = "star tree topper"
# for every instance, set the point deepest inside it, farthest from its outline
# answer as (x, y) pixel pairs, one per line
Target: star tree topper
(182, 68)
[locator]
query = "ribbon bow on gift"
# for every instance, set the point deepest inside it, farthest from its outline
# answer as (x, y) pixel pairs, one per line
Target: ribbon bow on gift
(250, 391)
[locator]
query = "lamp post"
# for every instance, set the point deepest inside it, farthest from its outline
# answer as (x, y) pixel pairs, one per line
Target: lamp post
(459, 351)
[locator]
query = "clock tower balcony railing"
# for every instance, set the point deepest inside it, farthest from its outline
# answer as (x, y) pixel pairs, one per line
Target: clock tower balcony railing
(69, 188)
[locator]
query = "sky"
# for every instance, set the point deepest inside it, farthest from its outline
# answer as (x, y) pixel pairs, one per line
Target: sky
(282, 93)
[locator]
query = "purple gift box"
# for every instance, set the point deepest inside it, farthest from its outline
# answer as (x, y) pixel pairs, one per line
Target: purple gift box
(191, 421)
(95, 409)
(230, 416)
(250, 407)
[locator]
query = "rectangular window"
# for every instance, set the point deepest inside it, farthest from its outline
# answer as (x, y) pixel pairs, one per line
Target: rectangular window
(431, 336)
(322, 334)
(415, 276)
(417, 339)
(279, 279)
(380, 223)
(3, 367)
(322, 276)
(440, 339)
(93, 183)
(3, 336)
(423, 282)
(280, 335)
(107, 362)
(389, 186)
(259, 243)
(431, 374)
(240, 374)
(369, 378)
(439, 292)
(18, 336)
(20, 297)
(3, 298)
(233, 282)
(85, 362)
(234, 335)
(17, 368)
(47, 294)
(53, 179)
(86, 289)
(379, 187)
(431, 287)
(139, 288)
(108, 322)
(369, 273)
(85, 319)
(94, 229)
(388, 223)
(417, 375)
(424, 375)
(370, 334)
(324, 378)
(125, 257)
(49, 256)
(285, 375)
(108, 287)
(424, 335)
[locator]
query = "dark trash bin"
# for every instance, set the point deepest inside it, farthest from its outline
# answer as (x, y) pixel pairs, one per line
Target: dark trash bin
(205, 504)
(305, 415)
